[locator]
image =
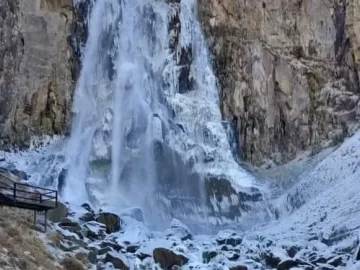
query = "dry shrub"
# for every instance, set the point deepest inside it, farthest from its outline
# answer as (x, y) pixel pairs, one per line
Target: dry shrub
(55, 239)
(71, 263)
(82, 257)
(12, 231)
(25, 250)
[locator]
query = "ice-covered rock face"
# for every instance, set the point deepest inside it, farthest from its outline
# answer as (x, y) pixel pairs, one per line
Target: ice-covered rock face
(148, 130)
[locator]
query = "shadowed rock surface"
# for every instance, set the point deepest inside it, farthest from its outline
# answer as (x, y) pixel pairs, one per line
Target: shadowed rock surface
(38, 68)
(288, 71)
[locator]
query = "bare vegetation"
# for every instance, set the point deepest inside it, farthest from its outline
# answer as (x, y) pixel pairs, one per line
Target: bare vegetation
(71, 263)
(21, 248)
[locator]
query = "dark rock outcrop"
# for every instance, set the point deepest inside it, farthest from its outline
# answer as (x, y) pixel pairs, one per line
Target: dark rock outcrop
(286, 89)
(117, 260)
(57, 214)
(37, 68)
(167, 258)
(111, 221)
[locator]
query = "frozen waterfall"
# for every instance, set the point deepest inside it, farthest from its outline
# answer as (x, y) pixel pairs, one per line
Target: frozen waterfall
(147, 130)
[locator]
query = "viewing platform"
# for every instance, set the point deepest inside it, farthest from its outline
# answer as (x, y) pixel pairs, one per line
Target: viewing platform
(25, 196)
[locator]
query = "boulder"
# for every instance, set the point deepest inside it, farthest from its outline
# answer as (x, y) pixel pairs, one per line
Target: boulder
(232, 256)
(208, 255)
(88, 216)
(239, 267)
(71, 226)
(271, 260)
(91, 256)
(94, 230)
(87, 207)
(118, 260)
(179, 229)
(57, 214)
(287, 264)
(104, 250)
(167, 258)
(228, 237)
(111, 221)
(325, 267)
(291, 251)
(337, 261)
(357, 253)
(115, 246)
(21, 174)
(132, 248)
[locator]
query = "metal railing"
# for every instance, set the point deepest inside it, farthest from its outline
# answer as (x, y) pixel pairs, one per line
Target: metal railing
(25, 193)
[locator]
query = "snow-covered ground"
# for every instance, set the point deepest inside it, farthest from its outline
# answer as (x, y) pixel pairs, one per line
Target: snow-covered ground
(319, 220)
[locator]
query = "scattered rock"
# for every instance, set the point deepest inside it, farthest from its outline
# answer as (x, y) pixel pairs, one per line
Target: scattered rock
(167, 258)
(271, 260)
(325, 267)
(357, 253)
(88, 216)
(208, 255)
(132, 248)
(291, 251)
(337, 261)
(239, 267)
(179, 229)
(92, 257)
(111, 221)
(287, 264)
(94, 230)
(104, 250)
(319, 260)
(233, 256)
(228, 238)
(21, 174)
(113, 245)
(118, 260)
(88, 208)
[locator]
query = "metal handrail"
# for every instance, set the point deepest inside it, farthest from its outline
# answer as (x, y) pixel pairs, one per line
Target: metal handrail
(17, 190)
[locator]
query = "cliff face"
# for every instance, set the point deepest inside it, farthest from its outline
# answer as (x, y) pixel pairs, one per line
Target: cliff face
(288, 71)
(38, 67)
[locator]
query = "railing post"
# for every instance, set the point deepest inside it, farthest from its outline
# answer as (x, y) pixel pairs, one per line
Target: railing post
(45, 220)
(14, 191)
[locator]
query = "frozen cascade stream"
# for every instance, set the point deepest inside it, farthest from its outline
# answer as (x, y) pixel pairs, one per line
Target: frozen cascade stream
(147, 130)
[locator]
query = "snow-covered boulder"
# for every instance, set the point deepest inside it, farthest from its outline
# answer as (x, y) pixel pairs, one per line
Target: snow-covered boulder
(167, 258)
(179, 229)
(111, 221)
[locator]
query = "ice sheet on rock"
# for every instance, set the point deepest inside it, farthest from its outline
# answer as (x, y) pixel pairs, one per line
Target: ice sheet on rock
(330, 211)
(130, 95)
(133, 234)
(149, 247)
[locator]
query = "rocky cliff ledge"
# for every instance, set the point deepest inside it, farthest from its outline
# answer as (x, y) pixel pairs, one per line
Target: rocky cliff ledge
(288, 71)
(38, 68)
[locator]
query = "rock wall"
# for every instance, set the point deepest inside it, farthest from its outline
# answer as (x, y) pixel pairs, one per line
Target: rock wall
(288, 72)
(38, 68)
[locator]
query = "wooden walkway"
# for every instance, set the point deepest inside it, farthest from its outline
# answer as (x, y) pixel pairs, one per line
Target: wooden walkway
(19, 195)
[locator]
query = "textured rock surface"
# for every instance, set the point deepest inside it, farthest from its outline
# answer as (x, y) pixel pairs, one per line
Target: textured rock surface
(38, 67)
(288, 71)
